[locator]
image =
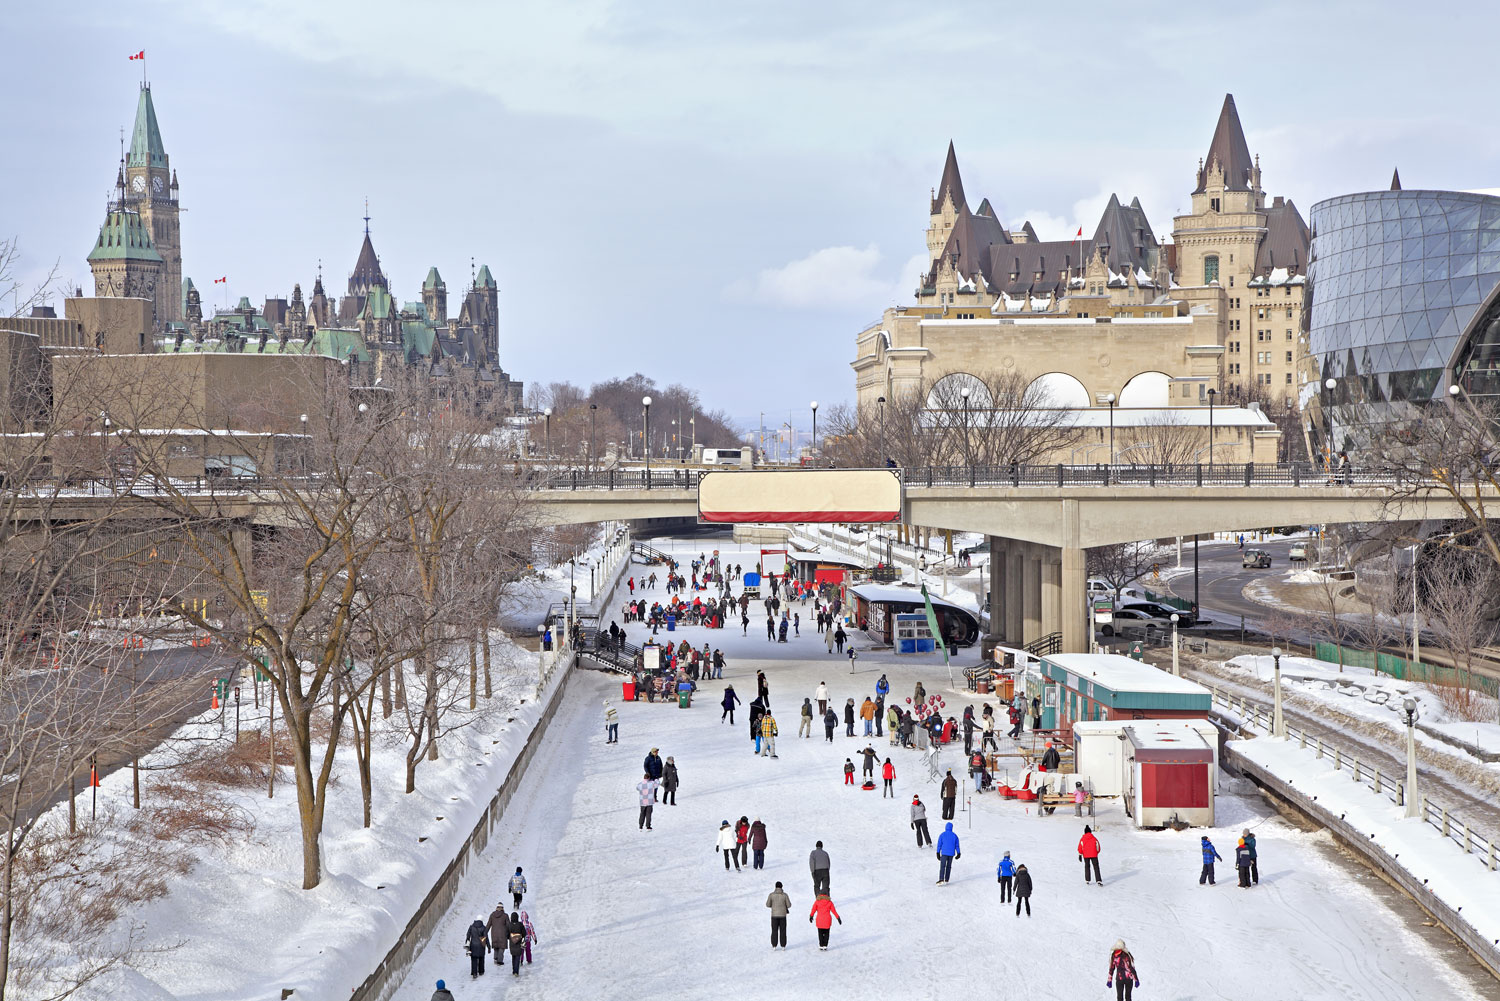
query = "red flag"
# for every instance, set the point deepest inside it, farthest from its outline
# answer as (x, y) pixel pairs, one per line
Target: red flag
(93, 775)
(1080, 232)
(220, 281)
(139, 55)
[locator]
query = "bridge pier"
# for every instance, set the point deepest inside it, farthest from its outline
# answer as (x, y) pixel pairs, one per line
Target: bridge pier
(997, 588)
(1031, 592)
(1051, 591)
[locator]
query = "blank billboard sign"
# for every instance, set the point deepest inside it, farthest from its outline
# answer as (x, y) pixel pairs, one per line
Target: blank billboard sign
(799, 495)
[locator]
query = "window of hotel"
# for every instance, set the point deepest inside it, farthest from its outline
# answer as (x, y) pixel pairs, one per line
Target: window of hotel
(1289, 333)
(1213, 205)
(1211, 267)
(1289, 312)
(1288, 358)
(1289, 378)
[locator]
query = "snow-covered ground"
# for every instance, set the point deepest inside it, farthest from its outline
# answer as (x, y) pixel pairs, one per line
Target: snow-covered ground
(630, 914)
(238, 926)
(1365, 693)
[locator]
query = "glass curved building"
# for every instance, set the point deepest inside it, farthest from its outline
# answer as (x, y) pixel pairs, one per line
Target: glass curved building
(1403, 289)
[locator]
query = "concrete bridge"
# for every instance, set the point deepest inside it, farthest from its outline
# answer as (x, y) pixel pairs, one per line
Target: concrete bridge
(1040, 520)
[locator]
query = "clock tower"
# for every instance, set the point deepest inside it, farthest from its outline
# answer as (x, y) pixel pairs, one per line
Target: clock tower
(151, 191)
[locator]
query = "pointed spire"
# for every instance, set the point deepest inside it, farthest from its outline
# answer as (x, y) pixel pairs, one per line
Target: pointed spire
(951, 184)
(146, 149)
(367, 218)
(1395, 180)
(1228, 151)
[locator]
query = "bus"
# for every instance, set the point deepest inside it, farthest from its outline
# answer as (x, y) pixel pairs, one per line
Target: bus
(728, 456)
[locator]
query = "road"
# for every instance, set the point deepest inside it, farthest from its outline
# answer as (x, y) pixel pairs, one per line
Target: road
(1222, 581)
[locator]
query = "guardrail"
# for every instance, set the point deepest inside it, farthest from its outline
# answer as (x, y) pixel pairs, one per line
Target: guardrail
(1247, 474)
(1441, 819)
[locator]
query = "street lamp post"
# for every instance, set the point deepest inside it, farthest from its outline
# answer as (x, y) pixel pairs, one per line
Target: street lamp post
(1176, 670)
(881, 402)
(547, 414)
(593, 415)
(1110, 399)
(1413, 801)
(693, 435)
(964, 395)
(1278, 721)
(1211, 394)
(646, 435)
(815, 427)
(1329, 384)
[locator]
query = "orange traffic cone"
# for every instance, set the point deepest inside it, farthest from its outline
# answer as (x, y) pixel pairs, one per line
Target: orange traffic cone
(215, 704)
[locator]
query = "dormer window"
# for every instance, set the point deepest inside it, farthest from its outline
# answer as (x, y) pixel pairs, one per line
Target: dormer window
(1213, 205)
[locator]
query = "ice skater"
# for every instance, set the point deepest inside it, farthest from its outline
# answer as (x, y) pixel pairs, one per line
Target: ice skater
(1023, 890)
(780, 905)
(1005, 875)
(517, 887)
(1088, 854)
(888, 774)
(727, 846)
(1122, 976)
(647, 788)
(823, 914)
(919, 821)
(611, 724)
(1210, 853)
(947, 851)
(476, 943)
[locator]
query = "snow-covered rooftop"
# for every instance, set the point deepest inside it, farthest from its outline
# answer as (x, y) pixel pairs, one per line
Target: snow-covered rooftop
(1121, 674)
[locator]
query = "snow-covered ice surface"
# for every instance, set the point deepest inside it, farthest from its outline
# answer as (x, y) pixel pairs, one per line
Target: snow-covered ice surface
(625, 914)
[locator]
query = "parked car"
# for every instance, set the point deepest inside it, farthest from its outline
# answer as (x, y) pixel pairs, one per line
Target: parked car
(1101, 589)
(1126, 619)
(1298, 552)
(1256, 558)
(1157, 610)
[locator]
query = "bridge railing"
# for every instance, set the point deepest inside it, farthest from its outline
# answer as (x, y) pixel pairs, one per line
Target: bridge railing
(1239, 474)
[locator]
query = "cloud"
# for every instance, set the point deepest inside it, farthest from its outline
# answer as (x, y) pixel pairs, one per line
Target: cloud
(831, 278)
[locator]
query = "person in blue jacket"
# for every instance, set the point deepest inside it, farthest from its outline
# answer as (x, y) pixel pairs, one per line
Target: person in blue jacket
(882, 687)
(1210, 853)
(1004, 875)
(947, 851)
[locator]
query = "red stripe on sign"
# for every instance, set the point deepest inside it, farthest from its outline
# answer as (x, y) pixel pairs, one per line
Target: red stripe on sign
(796, 517)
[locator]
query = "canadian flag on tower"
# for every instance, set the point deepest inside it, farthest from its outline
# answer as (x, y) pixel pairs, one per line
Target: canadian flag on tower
(139, 55)
(220, 281)
(1080, 232)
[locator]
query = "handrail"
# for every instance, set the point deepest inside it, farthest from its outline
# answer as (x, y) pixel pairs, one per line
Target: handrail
(1443, 820)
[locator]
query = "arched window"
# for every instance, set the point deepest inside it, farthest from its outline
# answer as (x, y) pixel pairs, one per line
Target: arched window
(1210, 269)
(1058, 389)
(947, 392)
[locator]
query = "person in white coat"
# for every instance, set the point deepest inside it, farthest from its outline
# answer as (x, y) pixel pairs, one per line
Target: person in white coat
(822, 696)
(728, 846)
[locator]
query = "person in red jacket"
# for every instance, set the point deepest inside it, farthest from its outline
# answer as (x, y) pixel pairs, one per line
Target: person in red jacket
(741, 840)
(1088, 852)
(888, 772)
(1122, 975)
(823, 914)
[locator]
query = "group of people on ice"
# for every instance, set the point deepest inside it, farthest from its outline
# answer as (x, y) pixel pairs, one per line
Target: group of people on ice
(499, 933)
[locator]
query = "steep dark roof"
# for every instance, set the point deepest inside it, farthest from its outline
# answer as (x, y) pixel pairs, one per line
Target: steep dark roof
(970, 240)
(984, 208)
(1229, 150)
(1395, 180)
(951, 182)
(146, 149)
(366, 269)
(1127, 232)
(1286, 241)
(1024, 260)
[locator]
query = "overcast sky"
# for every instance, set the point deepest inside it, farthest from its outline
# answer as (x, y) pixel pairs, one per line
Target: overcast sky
(715, 194)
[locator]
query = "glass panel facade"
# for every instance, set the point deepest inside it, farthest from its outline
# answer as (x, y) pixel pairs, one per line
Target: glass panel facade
(1401, 286)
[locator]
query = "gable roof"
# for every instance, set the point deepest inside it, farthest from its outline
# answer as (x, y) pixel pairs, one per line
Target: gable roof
(146, 149)
(1229, 150)
(1127, 232)
(950, 183)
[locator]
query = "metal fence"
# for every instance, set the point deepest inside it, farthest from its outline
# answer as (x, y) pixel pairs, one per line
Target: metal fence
(1442, 820)
(1055, 476)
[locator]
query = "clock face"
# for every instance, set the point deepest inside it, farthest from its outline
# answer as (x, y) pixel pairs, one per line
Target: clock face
(138, 184)
(157, 185)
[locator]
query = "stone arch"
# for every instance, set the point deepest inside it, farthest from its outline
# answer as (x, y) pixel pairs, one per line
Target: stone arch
(1059, 389)
(947, 392)
(1147, 389)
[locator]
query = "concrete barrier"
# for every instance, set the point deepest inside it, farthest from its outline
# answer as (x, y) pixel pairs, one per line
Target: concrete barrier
(1481, 948)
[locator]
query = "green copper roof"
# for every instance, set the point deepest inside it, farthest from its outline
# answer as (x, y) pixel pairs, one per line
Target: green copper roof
(417, 336)
(434, 280)
(485, 279)
(124, 237)
(146, 149)
(378, 304)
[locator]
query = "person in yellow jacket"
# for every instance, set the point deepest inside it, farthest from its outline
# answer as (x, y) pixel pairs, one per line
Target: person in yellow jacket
(768, 734)
(867, 713)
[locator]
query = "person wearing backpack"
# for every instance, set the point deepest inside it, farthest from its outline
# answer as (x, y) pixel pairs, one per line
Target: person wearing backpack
(1005, 875)
(804, 728)
(476, 944)
(517, 938)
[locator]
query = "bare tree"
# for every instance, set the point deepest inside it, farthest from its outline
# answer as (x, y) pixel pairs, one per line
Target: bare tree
(1121, 564)
(1463, 593)
(17, 295)
(1164, 440)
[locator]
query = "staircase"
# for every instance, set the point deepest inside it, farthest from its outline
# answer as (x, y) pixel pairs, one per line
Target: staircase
(648, 554)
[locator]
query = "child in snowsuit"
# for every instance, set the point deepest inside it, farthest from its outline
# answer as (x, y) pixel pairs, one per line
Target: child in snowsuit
(830, 723)
(1242, 862)
(530, 934)
(517, 887)
(1209, 855)
(848, 772)
(1122, 975)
